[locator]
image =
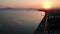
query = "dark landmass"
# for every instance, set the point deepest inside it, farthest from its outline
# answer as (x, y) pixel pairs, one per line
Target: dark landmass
(17, 9)
(53, 25)
(7, 8)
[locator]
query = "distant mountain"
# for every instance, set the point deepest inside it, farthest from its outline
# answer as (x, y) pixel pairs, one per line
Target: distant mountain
(7, 8)
(17, 9)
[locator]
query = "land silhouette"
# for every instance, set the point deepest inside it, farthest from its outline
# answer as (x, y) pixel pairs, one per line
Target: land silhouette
(53, 25)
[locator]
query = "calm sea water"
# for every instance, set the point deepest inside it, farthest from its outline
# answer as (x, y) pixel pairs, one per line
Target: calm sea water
(20, 21)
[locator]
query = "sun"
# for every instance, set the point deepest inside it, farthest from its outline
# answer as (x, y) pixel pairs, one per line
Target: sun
(46, 5)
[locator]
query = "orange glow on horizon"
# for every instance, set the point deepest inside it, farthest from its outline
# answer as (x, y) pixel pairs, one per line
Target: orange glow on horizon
(47, 5)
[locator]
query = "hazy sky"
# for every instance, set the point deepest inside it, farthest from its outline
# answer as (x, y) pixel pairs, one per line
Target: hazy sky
(28, 3)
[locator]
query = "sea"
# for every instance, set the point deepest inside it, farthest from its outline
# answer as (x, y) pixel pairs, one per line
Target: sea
(20, 21)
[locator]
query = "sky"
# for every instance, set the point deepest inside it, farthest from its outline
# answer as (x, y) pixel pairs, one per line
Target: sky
(28, 3)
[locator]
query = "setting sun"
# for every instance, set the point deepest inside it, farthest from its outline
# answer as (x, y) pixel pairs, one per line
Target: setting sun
(46, 5)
